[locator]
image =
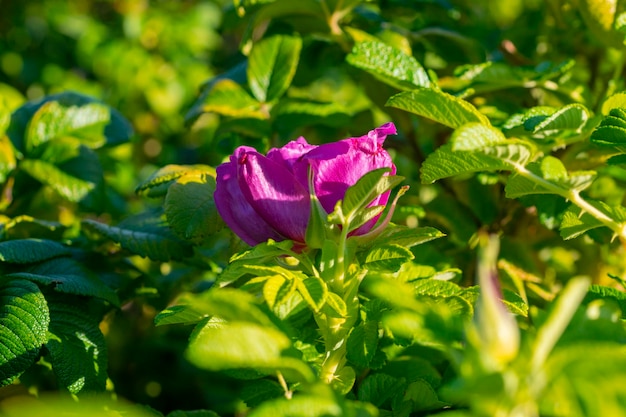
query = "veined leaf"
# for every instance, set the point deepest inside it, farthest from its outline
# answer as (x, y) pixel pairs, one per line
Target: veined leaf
(575, 224)
(476, 136)
(157, 184)
(388, 64)
(228, 98)
(362, 344)
(276, 289)
(387, 257)
(190, 209)
(302, 406)
(570, 117)
(438, 106)
(52, 120)
(77, 347)
(23, 251)
(178, 314)
(378, 388)
(612, 129)
(408, 237)
(436, 288)
(67, 276)
(229, 304)
(72, 188)
(272, 65)
(154, 241)
(551, 179)
(314, 291)
(24, 318)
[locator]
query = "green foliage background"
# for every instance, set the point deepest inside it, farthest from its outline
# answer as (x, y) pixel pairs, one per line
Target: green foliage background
(182, 84)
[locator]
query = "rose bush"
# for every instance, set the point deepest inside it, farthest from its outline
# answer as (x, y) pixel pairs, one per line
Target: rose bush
(267, 197)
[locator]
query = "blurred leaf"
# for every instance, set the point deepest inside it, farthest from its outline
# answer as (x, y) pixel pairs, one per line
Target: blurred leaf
(190, 209)
(24, 318)
(68, 276)
(85, 123)
(272, 65)
(387, 257)
(603, 293)
(575, 223)
(406, 236)
(178, 314)
(23, 227)
(362, 344)
(157, 184)
(300, 406)
(77, 347)
(228, 98)
(388, 64)
(195, 413)
(8, 160)
(438, 106)
(379, 388)
(72, 188)
(153, 240)
(23, 251)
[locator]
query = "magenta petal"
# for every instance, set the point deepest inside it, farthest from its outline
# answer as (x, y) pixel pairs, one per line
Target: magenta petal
(275, 194)
(340, 165)
(234, 209)
(291, 156)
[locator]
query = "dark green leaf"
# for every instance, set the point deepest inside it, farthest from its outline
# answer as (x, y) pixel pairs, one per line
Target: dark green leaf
(389, 64)
(67, 276)
(378, 388)
(77, 347)
(24, 319)
(154, 241)
(23, 251)
(72, 188)
(178, 314)
(362, 344)
(190, 209)
(272, 65)
(7, 158)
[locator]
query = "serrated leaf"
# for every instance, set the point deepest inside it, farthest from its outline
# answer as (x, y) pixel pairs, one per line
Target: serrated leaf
(77, 348)
(157, 184)
(23, 251)
(314, 291)
(154, 241)
(575, 224)
(378, 388)
(68, 276)
(362, 343)
(24, 319)
(612, 129)
(190, 209)
(387, 257)
(228, 98)
(72, 188)
(438, 106)
(52, 120)
(272, 65)
(276, 289)
(570, 117)
(520, 185)
(178, 314)
(436, 288)
(388, 64)
(476, 136)
(408, 237)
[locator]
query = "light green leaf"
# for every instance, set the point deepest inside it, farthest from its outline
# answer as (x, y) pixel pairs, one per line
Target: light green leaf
(153, 240)
(157, 184)
(72, 188)
(519, 185)
(228, 98)
(178, 314)
(52, 120)
(229, 304)
(438, 106)
(23, 251)
(436, 288)
(272, 65)
(300, 406)
(77, 347)
(8, 160)
(362, 344)
(575, 223)
(314, 291)
(408, 237)
(387, 257)
(24, 318)
(570, 117)
(335, 306)
(67, 275)
(276, 289)
(388, 64)
(476, 136)
(190, 209)
(617, 100)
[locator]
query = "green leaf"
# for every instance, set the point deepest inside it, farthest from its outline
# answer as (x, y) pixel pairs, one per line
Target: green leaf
(314, 291)
(436, 288)
(520, 185)
(276, 289)
(421, 396)
(68, 276)
(388, 64)
(602, 292)
(8, 160)
(157, 184)
(85, 123)
(194, 413)
(77, 347)
(335, 306)
(70, 187)
(178, 314)
(617, 100)
(153, 240)
(379, 388)
(230, 304)
(570, 117)
(575, 223)
(612, 129)
(24, 319)
(256, 392)
(300, 406)
(272, 65)
(387, 257)
(228, 98)
(23, 227)
(362, 344)
(476, 136)
(407, 236)
(438, 106)
(190, 209)
(23, 251)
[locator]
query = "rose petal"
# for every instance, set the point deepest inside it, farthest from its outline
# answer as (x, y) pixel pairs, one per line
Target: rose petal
(275, 194)
(291, 156)
(233, 207)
